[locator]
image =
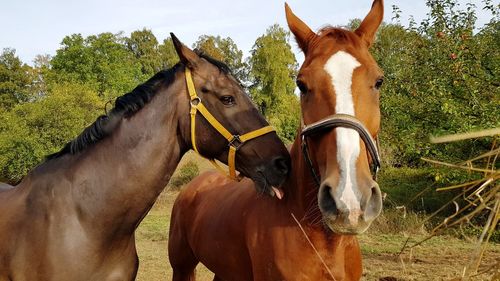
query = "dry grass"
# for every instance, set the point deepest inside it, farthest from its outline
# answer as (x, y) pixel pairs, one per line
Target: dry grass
(478, 198)
(441, 258)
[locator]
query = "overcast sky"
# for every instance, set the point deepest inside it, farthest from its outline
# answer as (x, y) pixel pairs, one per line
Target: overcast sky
(37, 27)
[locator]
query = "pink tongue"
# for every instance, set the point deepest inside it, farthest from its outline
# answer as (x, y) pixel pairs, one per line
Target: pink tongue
(279, 193)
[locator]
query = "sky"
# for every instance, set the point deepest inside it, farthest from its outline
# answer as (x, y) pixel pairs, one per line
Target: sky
(35, 27)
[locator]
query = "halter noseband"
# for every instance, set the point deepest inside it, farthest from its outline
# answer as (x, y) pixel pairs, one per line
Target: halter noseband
(235, 141)
(346, 121)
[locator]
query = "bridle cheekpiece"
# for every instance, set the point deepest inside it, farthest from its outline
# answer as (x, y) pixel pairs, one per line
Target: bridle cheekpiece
(345, 121)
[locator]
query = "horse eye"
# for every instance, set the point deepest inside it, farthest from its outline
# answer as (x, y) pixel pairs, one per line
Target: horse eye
(227, 100)
(379, 83)
(302, 87)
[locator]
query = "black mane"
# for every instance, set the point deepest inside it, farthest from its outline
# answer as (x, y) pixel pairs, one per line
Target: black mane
(126, 106)
(220, 65)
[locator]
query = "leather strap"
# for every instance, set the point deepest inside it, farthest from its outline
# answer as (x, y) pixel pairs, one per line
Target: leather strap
(346, 121)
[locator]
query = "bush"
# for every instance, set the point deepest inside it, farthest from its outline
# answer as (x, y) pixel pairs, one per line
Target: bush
(32, 130)
(472, 233)
(413, 188)
(184, 175)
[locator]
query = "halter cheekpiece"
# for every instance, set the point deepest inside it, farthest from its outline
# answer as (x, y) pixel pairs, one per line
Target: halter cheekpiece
(235, 141)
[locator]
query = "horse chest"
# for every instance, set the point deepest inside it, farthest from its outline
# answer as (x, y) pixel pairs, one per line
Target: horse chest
(293, 258)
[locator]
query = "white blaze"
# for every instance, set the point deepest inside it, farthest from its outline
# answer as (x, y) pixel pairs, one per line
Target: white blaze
(340, 67)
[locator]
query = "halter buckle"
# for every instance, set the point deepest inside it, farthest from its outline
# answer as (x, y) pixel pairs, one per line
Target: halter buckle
(235, 142)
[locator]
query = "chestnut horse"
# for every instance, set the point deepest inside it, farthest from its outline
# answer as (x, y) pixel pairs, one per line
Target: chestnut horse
(73, 217)
(240, 235)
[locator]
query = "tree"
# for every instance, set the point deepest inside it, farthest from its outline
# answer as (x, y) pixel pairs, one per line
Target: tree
(30, 131)
(441, 78)
(168, 55)
(144, 46)
(15, 79)
(272, 71)
(41, 69)
(225, 50)
(102, 62)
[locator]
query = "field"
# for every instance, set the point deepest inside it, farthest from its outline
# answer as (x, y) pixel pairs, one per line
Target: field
(441, 258)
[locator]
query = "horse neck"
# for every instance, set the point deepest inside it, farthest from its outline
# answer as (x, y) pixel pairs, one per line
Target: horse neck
(301, 190)
(119, 178)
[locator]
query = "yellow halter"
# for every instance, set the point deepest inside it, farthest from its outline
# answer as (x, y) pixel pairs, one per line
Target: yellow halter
(235, 141)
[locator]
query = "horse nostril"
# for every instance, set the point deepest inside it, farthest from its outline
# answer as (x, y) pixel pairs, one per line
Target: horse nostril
(327, 202)
(373, 206)
(282, 164)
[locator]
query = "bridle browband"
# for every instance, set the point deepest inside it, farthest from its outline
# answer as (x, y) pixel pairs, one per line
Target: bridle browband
(235, 141)
(345, 121)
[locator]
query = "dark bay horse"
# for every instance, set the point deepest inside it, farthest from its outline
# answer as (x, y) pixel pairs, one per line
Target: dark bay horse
(240, 235)
(73, 217)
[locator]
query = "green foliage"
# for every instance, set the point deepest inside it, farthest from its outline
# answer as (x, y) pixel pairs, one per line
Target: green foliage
(15, 79)
(272, 71)
(144, 46)
(286, 118)
(404, 186)
(168, 55)
(31, 131)
(441, 78)
(184, 175)
(225, 50)
(102, 62)
(474, 232)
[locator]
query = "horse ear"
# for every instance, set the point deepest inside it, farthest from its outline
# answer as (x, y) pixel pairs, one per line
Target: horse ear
(186, 55)
(303, 34)
(372, 21)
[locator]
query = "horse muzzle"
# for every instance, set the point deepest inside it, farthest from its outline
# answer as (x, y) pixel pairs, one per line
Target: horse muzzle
(346, 216)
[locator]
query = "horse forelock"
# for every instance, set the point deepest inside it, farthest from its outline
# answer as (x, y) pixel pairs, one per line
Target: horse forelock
(339, 35)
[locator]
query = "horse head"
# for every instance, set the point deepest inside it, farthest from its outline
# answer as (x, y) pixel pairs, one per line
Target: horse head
(339, 85)
(226, 125)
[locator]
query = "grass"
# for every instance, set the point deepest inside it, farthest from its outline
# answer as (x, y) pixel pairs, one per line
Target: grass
(152, 240)
(441, 258)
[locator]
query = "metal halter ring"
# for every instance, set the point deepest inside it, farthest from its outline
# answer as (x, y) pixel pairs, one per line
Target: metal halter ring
(195, 101)
(235, 142)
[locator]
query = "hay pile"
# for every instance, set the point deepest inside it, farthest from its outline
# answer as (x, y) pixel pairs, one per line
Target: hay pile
(478, 198)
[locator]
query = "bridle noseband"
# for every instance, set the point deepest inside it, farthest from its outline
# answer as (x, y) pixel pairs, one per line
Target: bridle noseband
(345, 121)
(235, 141)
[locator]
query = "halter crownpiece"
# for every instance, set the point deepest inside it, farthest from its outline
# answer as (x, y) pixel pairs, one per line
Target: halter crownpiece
(346, 121)
(234, 141)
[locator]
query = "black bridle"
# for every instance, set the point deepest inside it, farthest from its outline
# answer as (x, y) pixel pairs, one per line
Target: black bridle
(346, 121)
